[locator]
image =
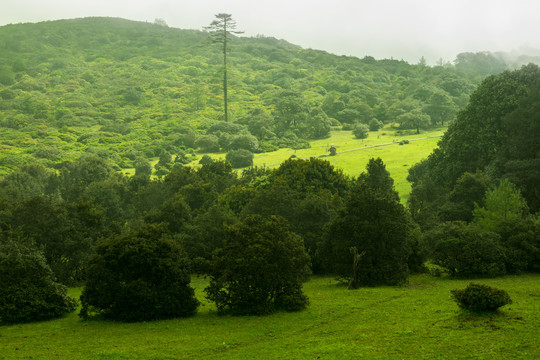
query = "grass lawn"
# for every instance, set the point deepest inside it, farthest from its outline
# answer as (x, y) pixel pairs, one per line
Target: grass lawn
(354, 154)
(417, 321)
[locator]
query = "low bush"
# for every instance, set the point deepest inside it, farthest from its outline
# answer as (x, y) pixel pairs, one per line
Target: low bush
(361, 131)
(480, 298)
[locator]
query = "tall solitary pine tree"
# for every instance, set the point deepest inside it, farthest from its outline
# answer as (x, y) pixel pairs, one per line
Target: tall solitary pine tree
(220, 32)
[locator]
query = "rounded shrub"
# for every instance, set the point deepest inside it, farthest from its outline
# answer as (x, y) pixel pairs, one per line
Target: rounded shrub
(375, 125)
(465, 250)
(139, 276)
(240, 158)
(259, 269)
(361, 131)
(480, 298)
(28, 291)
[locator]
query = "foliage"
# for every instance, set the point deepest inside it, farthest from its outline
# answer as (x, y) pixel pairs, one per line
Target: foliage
(467, 194)
(126, 84)
(504, 208)
(480, 298)
(221, 30)
(65, 232)
(205, 159)
(465, 250)
(361, 131)
(240, 158)
(142, 167)
(375, 125)
(494, 134)
(246, 142)
(138, 276)
(260, 269)
(414, 119)
(373, 221)
(28, 290)
(208, 143)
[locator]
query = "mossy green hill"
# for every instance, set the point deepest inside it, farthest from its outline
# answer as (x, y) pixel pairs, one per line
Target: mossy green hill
(128, 89)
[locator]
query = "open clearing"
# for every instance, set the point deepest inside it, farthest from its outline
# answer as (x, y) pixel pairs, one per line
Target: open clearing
(416, 321)
(354, 154)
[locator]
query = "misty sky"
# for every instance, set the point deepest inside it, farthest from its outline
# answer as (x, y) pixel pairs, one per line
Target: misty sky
(402, 29)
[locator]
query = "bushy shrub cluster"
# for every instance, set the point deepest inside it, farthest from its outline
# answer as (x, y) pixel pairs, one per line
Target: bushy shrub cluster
(465, 250)
(259, 269)
(240, 158)
(28, 291)
(480, 298)
(139, 276)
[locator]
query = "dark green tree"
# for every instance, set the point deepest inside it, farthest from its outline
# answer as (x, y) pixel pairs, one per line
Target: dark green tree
(240, 158)
(208, 143)
(246, 142)
(376, 224)
(291, 112)
(28, 290)
(378, 179)
(465, 250)
(414, 119)
(468, 193)
(259, 269)
(65, 232)
(142, 167)
(221, 30)
(139, 276)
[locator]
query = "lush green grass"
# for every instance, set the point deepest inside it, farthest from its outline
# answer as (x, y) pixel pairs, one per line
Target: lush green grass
(417, 321)
(353, 154)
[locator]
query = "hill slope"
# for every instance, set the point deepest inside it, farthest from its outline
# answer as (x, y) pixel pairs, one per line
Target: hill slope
(128, 89)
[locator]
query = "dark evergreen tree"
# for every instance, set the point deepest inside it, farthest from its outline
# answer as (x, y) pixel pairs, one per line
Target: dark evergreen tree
(259, 269)
(376, 224)
(28, 290)
(139, 276)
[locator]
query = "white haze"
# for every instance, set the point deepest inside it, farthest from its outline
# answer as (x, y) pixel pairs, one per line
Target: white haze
(406, 29)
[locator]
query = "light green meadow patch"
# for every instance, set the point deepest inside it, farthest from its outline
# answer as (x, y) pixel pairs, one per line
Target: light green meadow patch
(354, 154)
(416, 321)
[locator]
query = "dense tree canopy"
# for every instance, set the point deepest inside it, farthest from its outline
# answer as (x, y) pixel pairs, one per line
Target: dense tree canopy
(139, 276)
(259, 269)
(375, 223)
(127, 90)
(28, 290)
(495, 133)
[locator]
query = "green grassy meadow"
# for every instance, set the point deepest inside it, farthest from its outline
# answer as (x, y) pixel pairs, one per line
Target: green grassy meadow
(416, 321)
(354, 154)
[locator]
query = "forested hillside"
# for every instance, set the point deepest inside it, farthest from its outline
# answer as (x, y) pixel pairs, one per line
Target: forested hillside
(81, 100)
(130, 90)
